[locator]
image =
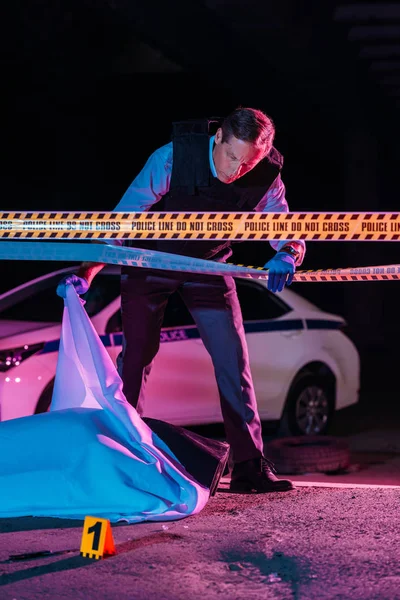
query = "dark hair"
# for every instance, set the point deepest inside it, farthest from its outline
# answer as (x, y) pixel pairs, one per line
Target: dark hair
(249, 125)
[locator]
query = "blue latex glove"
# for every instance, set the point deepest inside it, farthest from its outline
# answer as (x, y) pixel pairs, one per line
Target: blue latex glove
(281, 268)
(80, 284)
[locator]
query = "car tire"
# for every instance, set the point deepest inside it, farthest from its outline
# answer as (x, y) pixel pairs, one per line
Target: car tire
(309, 407)
(312, 454)
(44, 401)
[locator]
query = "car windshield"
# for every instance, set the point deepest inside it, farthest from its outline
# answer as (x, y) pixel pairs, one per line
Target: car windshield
(40, 302)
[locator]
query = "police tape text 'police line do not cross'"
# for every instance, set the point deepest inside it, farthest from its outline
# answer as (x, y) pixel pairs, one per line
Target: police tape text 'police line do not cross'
(197, 226)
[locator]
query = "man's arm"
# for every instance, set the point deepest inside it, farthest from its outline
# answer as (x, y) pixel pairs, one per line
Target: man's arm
(145, 190)
(151, 184)
(89, 270)
(275, 201)
(289, 253)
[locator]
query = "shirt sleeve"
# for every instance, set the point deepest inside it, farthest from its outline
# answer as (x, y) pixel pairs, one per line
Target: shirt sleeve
(149, 185)
(275, 201)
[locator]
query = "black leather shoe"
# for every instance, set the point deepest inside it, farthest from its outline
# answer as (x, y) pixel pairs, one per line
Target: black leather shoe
(257, 475)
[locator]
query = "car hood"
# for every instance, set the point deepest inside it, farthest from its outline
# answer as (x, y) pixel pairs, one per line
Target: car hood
(16, 333)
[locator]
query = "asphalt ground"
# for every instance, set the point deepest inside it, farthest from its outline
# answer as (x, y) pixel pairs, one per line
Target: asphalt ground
(310, 543)
(334, 536)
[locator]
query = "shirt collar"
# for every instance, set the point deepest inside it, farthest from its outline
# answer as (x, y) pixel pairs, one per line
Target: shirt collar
(212, 166)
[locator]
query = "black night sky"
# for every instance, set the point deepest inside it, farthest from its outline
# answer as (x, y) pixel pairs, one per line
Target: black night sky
(91, 88)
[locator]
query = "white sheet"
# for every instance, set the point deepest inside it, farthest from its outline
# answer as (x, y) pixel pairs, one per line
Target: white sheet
(91, 454)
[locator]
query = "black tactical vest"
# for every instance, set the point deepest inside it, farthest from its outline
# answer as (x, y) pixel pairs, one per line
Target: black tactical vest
(194, 189)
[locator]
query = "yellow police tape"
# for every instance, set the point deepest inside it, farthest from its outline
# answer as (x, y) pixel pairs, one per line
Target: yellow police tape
(333, 226)
(376, 273)
(150, 259)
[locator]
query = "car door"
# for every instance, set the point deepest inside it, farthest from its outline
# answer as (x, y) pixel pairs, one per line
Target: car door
(274, 339)
(181, 388)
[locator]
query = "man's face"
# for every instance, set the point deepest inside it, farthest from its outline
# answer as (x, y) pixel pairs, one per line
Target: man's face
(234, 158)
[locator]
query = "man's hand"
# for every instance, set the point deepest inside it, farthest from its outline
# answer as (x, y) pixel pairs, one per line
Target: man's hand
(80, 284)
(281, 270)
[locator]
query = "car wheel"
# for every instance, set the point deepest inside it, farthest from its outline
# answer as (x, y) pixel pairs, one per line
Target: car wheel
(309, 407)
(44, 401)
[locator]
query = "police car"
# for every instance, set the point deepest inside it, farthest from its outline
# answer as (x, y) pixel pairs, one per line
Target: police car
(304, 366)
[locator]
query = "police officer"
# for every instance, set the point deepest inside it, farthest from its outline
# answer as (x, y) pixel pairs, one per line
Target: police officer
(237, 169)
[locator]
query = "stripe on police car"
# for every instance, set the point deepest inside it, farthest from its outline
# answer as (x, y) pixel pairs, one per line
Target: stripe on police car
(323, 324)
(190, 332)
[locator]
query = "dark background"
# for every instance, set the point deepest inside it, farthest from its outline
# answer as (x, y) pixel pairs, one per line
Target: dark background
(91, 88)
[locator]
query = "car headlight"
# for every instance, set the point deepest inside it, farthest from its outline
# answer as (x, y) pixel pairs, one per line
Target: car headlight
(14, 357)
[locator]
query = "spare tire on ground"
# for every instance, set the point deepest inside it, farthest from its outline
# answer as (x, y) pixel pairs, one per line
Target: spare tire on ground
(308, 454)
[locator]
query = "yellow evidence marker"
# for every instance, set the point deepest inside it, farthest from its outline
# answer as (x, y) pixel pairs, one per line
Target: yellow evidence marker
(97, 539)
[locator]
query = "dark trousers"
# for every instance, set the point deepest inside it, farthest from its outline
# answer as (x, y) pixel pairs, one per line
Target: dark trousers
(214, 306)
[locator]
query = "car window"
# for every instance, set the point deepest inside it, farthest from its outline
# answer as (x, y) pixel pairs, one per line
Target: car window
(257, 303)
(104, 289)
(42, 306)
(40, 302)
(18, 297)
(114, 323)
(176, 315)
